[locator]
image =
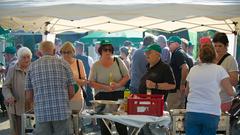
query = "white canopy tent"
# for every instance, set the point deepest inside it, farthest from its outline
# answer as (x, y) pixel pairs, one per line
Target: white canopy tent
(55, 16)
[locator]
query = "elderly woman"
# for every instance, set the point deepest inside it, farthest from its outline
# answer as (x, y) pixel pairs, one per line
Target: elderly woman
(204, 82)
(108, 77)
(229, 63)
(68, 54)
(14, 90)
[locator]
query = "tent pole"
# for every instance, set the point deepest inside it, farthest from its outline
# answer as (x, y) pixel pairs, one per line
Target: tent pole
(235, 45)
(235, 40)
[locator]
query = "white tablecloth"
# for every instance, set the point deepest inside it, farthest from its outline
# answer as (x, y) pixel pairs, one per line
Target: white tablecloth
(137, 121)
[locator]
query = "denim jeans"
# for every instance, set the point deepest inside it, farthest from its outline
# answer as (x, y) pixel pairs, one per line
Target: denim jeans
(201, 123)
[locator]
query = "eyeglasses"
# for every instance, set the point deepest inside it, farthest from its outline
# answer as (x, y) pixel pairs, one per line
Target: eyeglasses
(107, 49)
(67, 52)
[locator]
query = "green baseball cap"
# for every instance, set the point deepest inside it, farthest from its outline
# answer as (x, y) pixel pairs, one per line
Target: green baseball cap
(190, 43)
(154, 47)
(174, 39)
(105, 42)
(10, 50)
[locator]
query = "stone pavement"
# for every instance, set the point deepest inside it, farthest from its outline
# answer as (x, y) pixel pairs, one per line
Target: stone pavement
(4, 124)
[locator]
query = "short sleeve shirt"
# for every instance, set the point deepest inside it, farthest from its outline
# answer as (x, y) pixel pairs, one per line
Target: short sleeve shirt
(100, 74)
(50, 77)
(177, 60)
(230, 65)
(159, 73)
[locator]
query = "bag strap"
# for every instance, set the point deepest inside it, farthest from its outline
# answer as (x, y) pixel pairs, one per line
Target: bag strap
(222, 59)
(79, 74)
(116, 59)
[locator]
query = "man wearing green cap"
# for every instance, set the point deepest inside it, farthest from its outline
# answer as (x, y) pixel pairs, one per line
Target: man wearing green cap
(138, 64)
(10, 57)
(159, 76)
(176, 98)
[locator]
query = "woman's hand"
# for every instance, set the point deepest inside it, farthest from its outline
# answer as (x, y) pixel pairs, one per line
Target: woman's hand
(114, 85)
(108, 88)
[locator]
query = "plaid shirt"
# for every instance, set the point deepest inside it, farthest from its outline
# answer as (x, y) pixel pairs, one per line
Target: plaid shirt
(49, 77)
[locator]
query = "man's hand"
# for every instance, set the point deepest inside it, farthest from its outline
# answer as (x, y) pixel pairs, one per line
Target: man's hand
(150, 84)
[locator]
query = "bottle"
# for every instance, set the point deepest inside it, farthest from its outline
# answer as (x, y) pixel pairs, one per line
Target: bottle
(110, 79)
(126, 95)
(149, 91)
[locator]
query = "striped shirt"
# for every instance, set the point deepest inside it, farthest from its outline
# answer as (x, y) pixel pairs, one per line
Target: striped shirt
(50, 77)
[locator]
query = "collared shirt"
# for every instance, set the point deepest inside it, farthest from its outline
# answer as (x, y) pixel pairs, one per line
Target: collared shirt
(50, 77)
(177, 60)
(159, 73)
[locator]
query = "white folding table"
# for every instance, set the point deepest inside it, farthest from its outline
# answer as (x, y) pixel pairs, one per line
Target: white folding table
(136, 121)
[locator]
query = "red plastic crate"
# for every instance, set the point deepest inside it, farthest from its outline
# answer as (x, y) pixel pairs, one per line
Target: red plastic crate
(142, 104)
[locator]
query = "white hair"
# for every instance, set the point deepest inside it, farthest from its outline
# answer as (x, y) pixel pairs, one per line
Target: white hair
(23, 51)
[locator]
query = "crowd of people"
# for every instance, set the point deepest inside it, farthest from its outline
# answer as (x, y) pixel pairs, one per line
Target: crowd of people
(62, 75)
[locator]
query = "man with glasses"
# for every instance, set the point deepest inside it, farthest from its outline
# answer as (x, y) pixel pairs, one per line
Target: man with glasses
(159, 77)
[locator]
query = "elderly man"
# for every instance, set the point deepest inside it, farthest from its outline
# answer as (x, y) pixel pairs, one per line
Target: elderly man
(50, 82)
(176, 99)
(159, 77)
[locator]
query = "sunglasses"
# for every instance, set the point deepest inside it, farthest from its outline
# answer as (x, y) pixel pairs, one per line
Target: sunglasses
(67, 52)
(107, 49)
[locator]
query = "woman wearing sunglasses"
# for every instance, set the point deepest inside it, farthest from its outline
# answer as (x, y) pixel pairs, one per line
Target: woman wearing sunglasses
(108, 77)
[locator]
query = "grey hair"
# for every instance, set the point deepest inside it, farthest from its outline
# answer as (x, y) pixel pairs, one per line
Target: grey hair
(23, 51)
(162, 40)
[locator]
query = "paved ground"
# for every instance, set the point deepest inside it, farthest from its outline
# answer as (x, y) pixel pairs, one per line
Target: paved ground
(4, 124)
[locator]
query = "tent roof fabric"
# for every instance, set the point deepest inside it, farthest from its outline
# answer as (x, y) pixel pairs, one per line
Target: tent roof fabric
(58, 16)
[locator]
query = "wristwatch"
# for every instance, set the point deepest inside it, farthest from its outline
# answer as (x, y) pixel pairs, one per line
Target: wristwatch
(156, 85)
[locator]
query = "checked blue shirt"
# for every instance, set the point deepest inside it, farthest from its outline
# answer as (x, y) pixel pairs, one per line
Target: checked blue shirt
(49, 77)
